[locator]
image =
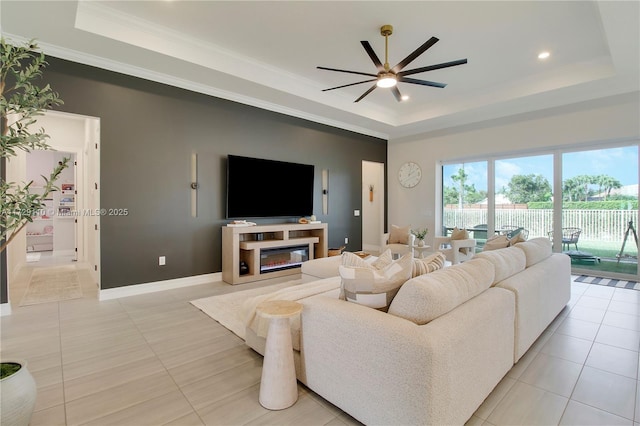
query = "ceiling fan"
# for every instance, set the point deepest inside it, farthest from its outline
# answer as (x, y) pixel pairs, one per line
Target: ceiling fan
(388, 77)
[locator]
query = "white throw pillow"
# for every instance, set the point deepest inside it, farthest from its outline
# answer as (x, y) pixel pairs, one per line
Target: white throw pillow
(367, 285)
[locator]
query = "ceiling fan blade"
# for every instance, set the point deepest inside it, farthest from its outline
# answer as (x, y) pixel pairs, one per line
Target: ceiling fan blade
(396, 93)
(366, 93)
(433, 67)
(421, 82)
(347, 85)
(419, 51)
(347, 71)
(373, 55)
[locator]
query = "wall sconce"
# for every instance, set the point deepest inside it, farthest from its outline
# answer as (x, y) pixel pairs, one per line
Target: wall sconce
(325, 191)
(194, 185)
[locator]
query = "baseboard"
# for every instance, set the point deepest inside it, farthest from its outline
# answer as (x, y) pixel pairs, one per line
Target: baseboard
(5, 309)
(134, 290)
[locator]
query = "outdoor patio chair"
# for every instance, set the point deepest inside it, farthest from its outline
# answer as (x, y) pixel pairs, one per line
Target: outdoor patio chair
(569, 236)
(512, 230)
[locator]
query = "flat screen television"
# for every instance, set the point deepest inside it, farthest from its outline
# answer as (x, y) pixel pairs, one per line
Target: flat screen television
(259, 187)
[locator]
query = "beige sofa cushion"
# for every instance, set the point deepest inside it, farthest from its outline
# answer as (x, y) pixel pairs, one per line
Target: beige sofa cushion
(367, 285)
(506, 261)
(536, 250)
(426, 297)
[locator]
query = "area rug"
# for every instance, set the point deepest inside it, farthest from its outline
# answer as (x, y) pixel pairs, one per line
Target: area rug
(227, 308)
(609, 282)
(52, 285)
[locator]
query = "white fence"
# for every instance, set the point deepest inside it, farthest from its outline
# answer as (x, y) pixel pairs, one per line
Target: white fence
(596, 225)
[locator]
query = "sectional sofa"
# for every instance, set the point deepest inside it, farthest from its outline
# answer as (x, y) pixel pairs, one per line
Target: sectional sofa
(447, 340)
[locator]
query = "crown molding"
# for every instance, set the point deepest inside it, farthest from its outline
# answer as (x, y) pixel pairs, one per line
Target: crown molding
(110, 65)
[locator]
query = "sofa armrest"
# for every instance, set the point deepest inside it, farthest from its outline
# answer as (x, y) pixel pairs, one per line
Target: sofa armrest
(383, 369)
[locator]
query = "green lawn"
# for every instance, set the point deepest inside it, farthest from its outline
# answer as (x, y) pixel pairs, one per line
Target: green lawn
(607, 252)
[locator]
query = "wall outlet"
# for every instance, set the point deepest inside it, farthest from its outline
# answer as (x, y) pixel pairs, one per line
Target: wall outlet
(162, 260)
(346, 240)
(356, 212)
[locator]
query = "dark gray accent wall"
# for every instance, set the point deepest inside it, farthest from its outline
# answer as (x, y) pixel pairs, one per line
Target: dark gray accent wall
(148, 132)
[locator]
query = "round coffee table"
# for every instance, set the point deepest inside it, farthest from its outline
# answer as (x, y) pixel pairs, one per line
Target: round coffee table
(278, 386)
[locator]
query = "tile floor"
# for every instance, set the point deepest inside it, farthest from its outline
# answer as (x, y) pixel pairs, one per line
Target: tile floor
(155, 359)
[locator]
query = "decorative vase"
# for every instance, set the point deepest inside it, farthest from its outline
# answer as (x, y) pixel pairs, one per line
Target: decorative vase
(420, 243)
(17, 396)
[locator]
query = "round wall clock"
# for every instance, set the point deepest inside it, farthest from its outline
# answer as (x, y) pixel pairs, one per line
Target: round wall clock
(409, 174)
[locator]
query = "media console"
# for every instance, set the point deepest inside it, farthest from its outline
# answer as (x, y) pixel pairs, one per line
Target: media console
(270, 251)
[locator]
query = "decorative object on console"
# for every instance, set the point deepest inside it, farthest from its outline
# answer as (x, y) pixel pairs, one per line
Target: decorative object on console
(244, 268)
(367, 285)
(336, 251)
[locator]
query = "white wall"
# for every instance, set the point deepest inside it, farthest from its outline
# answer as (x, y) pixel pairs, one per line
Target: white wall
(372, 211)
(612, 121)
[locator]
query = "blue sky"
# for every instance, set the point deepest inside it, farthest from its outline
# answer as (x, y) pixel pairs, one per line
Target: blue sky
(620, 163)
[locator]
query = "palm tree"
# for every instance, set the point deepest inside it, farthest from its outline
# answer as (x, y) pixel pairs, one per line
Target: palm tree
(460, 178)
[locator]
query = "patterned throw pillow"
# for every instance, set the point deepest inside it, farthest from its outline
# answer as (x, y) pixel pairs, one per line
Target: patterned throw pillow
(367, 285)
(428, 264)
(399, 235)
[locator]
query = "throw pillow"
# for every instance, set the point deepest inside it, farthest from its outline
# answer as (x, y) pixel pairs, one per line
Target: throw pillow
(459, 234)
(496, 242)
(385, 259)
(517, 238)
(399, 235)
(428, 264)
(364, 284)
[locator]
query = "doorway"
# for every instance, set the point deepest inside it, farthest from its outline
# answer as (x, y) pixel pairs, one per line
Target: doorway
(373, 195)
(66, 233)
(51, 237)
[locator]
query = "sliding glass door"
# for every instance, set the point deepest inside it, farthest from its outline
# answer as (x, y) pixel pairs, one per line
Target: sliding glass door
(524, 195)
(600, 210)
(585, 201)
(464, 195)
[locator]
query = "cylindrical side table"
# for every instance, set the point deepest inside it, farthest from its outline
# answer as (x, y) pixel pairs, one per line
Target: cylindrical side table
(278, 387)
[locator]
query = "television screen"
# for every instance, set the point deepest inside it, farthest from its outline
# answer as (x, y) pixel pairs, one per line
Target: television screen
(268, 188)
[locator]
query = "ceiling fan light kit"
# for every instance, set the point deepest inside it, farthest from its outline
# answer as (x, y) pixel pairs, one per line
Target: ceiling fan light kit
(388, 77)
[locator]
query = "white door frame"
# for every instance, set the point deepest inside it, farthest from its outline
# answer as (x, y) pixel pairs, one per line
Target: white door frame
(87, 150)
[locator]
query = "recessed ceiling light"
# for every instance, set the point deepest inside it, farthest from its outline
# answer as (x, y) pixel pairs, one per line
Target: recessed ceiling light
(405, 97)
(544, 55)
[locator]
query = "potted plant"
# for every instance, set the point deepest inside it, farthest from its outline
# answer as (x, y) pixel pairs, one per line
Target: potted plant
(420, 234)
(21, 102)
(17, 393)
